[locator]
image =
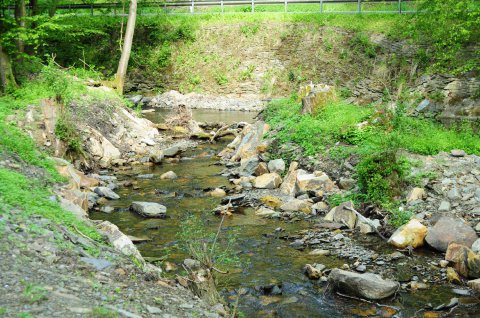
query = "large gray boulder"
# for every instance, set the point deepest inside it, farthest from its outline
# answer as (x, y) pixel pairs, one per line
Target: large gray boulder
(369, 286)
(277, 166)
(106, 193)
(149, 209)
(450, 230)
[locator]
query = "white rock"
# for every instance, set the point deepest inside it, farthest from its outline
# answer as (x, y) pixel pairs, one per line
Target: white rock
(170, 175)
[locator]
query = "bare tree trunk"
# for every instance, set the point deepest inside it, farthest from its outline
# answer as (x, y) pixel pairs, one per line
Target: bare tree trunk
(20, 14)
(6, 75)
(127, 47)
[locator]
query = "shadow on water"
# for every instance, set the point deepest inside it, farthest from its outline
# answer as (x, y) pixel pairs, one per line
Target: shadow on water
(271, 261)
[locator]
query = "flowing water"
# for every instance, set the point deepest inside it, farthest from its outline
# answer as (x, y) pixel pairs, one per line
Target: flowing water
(270, 259)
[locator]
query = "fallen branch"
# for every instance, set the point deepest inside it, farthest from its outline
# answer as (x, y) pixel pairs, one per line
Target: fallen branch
(365, 220)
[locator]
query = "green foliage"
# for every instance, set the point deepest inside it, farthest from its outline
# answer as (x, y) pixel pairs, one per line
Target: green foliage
(250, 29)
(381, 174)
(399, 217)
(360, 42)
(221, 79)
(33, 198)
(33, 293)
(450, 26)
(375, 136)
(103, 312)
(247, 73)
(210, 248)
(66, 131)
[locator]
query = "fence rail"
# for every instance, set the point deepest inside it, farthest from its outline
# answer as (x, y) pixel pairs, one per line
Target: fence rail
(193, 6)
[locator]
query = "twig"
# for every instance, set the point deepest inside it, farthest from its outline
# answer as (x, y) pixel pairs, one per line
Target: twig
(212, 139)
(365, 220)
(218, 231)
(219, 271)
(83, 235)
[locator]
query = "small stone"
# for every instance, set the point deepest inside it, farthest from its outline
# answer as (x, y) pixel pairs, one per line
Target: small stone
(153, 310)
(319, 252)
(361, 268)
(346, 183)
(146, 176)
(261, 169)
(443, 263)
(457, 153)
(170, 175)
(444, 206)
(454, 194)
(312, 272)
(218, 193)
(476, 246)
(416, 194)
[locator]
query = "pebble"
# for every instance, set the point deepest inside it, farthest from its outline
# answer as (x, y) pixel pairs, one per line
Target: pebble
(361, 268)
(457, 153)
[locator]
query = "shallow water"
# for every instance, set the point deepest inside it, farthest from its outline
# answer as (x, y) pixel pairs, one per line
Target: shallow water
(271, 260)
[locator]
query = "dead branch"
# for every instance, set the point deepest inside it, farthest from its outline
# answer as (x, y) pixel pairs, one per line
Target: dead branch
(365, 220)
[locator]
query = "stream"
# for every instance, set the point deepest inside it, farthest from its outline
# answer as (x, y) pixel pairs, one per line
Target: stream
(271, 261)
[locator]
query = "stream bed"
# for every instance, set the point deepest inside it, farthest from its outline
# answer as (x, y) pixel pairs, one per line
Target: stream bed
(271, 261)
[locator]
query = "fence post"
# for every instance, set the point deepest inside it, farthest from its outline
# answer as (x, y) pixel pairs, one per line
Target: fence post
(399, 6)
(359, 6)
(192, 9)
(221, 3)
(253, 6)
(321, 6)
(91, 9)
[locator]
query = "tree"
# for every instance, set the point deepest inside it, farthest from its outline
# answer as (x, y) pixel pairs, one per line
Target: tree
(20, 14)
(7, 79)
(127, 47)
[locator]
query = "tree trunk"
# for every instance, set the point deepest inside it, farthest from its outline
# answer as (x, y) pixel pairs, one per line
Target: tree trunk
(33, 11)
(52, 9)
(7, 79)
(127, 47)
(20, 14)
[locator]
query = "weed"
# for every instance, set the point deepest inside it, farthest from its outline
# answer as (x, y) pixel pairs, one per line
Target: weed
(3, 310)
(399, 217)
(327, 45)
(249, 29)
(247, 73)
(103, 312)
(33, 293)
(221, 79)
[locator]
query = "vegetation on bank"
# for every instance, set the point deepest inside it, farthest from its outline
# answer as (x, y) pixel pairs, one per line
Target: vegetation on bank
(375, 136)
(27, 188)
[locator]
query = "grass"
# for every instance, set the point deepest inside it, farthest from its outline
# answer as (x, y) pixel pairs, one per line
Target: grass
(338, 123)
(34, 293)
(375, 136)
(33, 198)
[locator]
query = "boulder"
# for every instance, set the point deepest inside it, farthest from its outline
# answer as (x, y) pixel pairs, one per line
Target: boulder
(218, 193)
(416, 194)
(368, 286)
(450, 230)
(119, 241)
(312, 182)
(169, 175)
(312, 272)
(452, 276)
(342, 215)
(296, 205)
(106, 193)
(171, 151)
(316, 97)
(267, 181)
(277, 165)
(465, 261)
(248, 166)
(411, 234)
(271, 201)
(156, 156)
(261, 169)
(474, 284)
(346, 183)
(149, 209)
(265, 212)
(289, 185)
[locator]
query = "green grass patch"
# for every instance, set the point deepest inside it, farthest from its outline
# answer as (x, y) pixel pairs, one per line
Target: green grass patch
(33, 198)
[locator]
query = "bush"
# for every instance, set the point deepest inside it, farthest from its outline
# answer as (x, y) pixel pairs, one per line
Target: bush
(381, 174)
